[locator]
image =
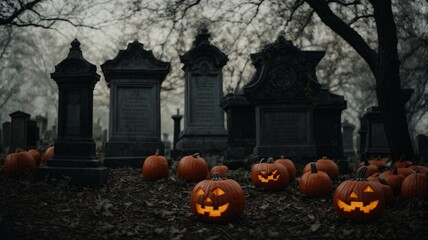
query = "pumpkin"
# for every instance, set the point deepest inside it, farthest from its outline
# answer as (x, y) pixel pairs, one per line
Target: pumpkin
(395, 180)
(192, 168)
(371, 169)
(326, 165)
(414, 185)
(315, 183)
(387, 189)
(420, 168)
(403, 162)
(18, 163)
(270, 175)
(220, 169)
(405, 171)
(47, 155)
(289, 165)
(377, 162)
(155, 167)
(36, 155)
(217, 200)
(359, 199)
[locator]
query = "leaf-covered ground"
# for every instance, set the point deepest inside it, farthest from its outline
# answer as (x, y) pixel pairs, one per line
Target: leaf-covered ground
(128, 207)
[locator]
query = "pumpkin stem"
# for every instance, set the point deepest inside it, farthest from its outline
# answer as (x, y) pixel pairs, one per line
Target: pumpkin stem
(282, 157)
(262, 160)
(361, 176)
(366, 162)
(216, 177)
(394, 170)
(313, 167)
(270, 160)
(381, 180)
(157, 152)
(195, 155)
(324, 158)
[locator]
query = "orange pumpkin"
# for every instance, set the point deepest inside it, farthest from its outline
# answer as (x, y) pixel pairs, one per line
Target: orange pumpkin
(155, 167)
(326, 165)
(395, 180)
(192, 168)
(315, 183)
(403, 162)
(47, 155)
(379, 162)
(220, 169)
(289, 165)
(36, 155)
(217, 200)
(371, 169)
(18, 163)
(270, 175)
(415, 185)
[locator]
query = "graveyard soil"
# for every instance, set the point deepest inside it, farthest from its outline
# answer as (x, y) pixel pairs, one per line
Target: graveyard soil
(128, 207)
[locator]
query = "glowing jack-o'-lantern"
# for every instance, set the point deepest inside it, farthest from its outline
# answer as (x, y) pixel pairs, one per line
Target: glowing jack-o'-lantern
(359, 199)
(217, 200)
(270, 175)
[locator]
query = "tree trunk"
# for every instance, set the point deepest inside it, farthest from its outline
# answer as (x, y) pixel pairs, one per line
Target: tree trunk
(385, 66)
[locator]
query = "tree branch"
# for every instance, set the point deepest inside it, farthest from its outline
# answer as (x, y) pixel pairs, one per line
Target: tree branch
(19, 11)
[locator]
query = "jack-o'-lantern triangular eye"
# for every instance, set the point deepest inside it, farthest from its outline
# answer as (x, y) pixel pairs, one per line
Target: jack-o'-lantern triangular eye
(353, 195)
(368, 189)
(200, 192)
(218, 191)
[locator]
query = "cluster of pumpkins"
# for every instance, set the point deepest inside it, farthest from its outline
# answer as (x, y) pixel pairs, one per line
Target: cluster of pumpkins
(361, 199)
(22, 161)
(221, 200)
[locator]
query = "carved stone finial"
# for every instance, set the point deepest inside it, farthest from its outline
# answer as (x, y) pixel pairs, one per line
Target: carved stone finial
(75, 44)
(202, 38)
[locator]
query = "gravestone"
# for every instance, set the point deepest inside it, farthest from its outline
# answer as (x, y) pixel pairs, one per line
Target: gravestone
(327, 124)
(134, 77)
(175, 153)
(33, 134)
(167, 144)
(241, 129)
(204, 130)
(422, 145)
(348, 138)
(283, 91)
(75, 147)
(42, 124)
(19, 130)
(375, 141)
(6, 136)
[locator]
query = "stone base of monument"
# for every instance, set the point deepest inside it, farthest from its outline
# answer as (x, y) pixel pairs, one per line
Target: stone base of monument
(238, 157)
(203, 144)
(132, 154)
(302, 153)
(83, 176)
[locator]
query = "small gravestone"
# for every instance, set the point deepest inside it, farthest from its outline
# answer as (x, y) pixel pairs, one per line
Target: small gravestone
(422, 145)
(327, 121)
(134, 77)
(33, 134)
(74, 155)
(204, 130)
(19, 130)
(6, 137)
(348, 138)
(241, 129)
(174, 153)
(372, 135)
(283, 91)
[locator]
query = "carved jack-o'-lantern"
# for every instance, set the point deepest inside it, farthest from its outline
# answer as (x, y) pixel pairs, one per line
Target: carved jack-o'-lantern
(217, 200)
(270, 175)
(359, 199)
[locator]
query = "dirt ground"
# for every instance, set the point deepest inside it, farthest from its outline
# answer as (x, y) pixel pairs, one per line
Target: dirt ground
(128, 207)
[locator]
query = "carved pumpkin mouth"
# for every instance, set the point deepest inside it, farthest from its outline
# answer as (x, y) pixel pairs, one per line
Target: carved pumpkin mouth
(271, 177)
(211, 211)
(354, 205)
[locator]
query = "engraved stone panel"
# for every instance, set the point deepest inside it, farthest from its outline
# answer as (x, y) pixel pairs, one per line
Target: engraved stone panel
(136, 113)
(280, 128)
(18, 133)
(204, 109)
(73, 114)
(378, 136)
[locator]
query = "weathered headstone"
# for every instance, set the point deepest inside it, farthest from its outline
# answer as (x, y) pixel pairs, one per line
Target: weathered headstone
(348, 138)
(33, 134)
(134, 77)
(374, 139)
(75, 147)
(6, 137)
(422, 145)
(241, 129)
(283, 90)
(327, 121)
(175, 153)
(19, 130)
(204, 130)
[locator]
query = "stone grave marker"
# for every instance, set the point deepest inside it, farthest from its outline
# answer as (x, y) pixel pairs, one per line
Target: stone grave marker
(204, 130)
(19, 130)
(33, 134)
(74, 146)
(422, 145)
(348, 138)
(134, 77)
(175, 153)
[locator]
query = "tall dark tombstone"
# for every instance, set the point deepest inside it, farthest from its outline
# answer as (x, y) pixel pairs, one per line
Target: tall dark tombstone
(19, 130)
(6, 137)
(75, 147)
(241, 130)
(422, 146)
(174, 153)
(204, 130)
(348, 139)
(376, 143)
(42, 124)
(283, 91)
(134, 77)
(327, 124)
(33, 134)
